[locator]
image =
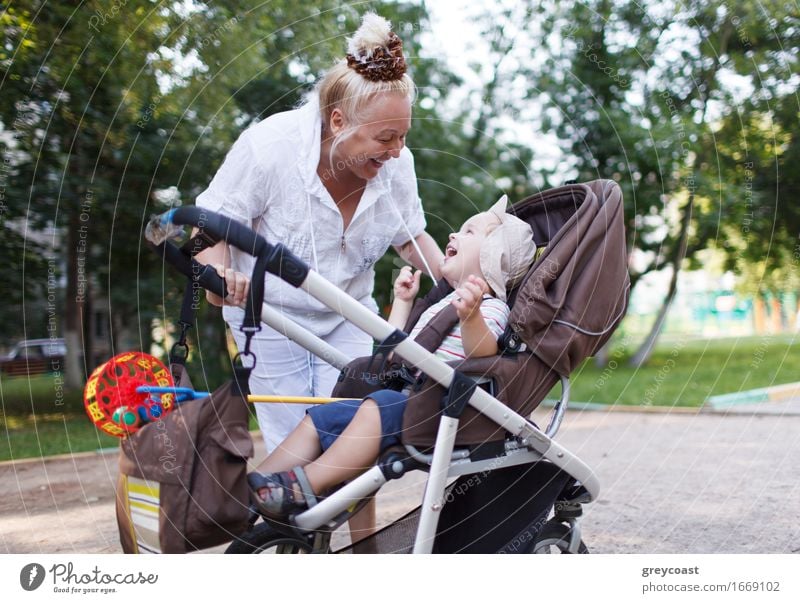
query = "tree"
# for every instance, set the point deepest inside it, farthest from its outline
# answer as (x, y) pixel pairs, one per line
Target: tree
(96, 102)
(134, 113)
(645, 85)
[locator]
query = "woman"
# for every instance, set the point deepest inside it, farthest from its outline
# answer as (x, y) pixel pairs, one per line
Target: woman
(334, 182)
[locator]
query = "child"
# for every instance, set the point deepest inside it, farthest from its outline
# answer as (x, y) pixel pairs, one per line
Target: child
(336, 442)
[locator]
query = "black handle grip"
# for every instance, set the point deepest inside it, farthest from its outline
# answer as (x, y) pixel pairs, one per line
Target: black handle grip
(278, 260)
(221, 228)
(204, 275)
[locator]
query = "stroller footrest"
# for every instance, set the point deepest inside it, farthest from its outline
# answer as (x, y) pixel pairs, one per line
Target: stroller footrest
(487, 450)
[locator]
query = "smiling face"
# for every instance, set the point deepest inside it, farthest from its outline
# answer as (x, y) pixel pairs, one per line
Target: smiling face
(463, 251)
(367, 147)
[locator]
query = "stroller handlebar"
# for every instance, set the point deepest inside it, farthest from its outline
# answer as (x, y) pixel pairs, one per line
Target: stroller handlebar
(279, 260)
(216, 226)
(205, 276)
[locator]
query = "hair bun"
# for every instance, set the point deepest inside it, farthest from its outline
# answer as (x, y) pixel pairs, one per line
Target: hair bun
(375, 51)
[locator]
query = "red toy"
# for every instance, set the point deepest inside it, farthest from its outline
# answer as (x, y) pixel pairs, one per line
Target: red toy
(111, 399)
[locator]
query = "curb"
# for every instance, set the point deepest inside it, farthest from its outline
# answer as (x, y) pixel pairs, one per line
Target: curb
(776, 393)
(67, 456)
(74, 455)
(595, 406)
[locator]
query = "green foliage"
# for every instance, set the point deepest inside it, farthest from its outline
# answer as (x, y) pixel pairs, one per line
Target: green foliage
(103, 109)
(133, 101)
(640, 87)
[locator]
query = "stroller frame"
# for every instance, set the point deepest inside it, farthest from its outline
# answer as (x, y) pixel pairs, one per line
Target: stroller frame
(529, 444)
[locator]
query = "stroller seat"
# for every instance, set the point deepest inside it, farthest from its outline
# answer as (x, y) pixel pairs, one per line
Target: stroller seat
(565, 309)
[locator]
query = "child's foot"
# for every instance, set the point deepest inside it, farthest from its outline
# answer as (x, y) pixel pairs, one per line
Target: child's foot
(278, 495)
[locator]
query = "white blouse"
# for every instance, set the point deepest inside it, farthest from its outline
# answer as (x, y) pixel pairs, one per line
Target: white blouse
(269, 182)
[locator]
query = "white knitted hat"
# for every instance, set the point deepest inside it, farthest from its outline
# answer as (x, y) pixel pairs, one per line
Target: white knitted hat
(507, 252)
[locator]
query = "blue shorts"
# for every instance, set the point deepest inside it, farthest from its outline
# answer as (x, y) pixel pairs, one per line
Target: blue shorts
(331, 419)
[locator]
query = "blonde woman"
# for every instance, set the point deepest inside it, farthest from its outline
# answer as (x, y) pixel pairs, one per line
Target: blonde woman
(334, 181)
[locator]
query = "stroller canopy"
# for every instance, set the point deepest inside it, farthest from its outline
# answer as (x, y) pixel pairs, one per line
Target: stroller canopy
(576, 292)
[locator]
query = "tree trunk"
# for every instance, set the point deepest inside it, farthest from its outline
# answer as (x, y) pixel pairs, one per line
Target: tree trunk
(73, 310)
(87, 315)
(776, 313)
(709, 79)
(602, 356)
(644, 352)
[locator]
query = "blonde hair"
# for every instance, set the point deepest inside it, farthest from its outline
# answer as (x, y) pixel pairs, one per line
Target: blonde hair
(354, 82)
(344, 88)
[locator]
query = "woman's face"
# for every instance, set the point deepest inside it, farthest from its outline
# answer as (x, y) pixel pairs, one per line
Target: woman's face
(380, 138)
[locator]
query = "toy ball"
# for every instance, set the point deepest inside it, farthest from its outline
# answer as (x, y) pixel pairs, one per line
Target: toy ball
(150, 411)
(126, 417)
(156, 410)
(111, 398)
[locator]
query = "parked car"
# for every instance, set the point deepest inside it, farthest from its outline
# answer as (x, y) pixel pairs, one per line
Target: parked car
(34, 356)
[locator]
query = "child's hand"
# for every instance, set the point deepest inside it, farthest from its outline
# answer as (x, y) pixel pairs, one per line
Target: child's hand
(469, 296)
(406, 286)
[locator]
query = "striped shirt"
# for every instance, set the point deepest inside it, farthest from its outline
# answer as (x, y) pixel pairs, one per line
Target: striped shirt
(495, 314)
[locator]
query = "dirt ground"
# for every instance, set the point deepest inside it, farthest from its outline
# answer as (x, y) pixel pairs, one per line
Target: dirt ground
(671, 483)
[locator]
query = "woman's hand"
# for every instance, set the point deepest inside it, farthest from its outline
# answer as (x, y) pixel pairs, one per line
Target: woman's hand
(469, 297)
(406, 286)
(237, 285)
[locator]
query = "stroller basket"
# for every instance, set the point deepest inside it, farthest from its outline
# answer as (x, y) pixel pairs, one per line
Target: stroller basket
(502, 511)
(397, 537)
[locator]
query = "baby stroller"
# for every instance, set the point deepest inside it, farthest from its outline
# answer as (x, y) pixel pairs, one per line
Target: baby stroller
(467, 419)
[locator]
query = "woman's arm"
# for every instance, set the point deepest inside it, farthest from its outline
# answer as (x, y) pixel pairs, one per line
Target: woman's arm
(430, 251)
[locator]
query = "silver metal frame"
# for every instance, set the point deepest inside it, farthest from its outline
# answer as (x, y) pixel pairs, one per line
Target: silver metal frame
(538, 445)
(303, 337)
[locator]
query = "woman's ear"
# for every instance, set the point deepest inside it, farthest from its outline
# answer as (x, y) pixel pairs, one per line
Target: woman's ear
(337, 121)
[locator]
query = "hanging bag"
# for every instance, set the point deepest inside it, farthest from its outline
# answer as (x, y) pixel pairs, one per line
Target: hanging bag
(183, 479)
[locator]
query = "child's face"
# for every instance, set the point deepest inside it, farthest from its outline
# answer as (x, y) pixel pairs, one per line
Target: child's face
(462, 254)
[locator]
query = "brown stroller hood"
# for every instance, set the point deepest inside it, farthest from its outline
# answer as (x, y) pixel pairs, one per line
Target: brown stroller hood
(564, 310)
(576, 293)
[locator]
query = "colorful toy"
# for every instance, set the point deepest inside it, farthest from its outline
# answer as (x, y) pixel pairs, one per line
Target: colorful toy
(116, 396)
(126, 417)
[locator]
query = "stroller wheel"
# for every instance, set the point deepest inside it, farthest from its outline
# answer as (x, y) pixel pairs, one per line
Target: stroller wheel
(555, 539)
(264, 539)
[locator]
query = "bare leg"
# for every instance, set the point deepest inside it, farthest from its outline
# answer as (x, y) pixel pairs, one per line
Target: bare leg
(363, 524)
(352, 453)
(299, 448)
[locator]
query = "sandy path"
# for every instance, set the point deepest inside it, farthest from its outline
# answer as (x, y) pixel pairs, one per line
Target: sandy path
(672, 483)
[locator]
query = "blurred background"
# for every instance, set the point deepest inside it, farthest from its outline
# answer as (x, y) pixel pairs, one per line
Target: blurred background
(113, 111)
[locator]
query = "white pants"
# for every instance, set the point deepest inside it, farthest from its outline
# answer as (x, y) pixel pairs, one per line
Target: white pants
(283, 367)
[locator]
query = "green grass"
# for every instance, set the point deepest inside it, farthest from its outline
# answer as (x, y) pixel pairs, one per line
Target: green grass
(40, 419)
(48, 434)
(682, 372)
(45, 435)
(38, 394)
